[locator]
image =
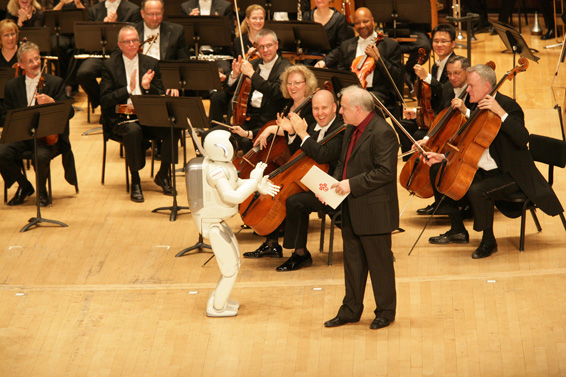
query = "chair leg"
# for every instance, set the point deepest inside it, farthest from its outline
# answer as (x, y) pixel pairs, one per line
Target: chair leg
(535, 219)
(331, 241)
(322, 228)
(563, 220)
(127, 173)
(103, 159)
(522, 236)
(152, 156)
(49, 188)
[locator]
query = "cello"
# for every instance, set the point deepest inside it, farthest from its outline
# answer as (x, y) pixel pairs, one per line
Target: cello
(264, 213)
(425, 112)
(464, 149)
(415, 176)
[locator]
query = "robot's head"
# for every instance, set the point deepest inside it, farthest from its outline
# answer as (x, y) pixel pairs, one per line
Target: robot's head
(219, 145)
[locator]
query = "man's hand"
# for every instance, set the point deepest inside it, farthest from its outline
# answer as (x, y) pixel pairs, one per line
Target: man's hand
(410, 113)
(420, 71)
(111, 17)
(237, 66)
(299, 125)
(433, 158)
(458, 104)
(489, 103)
(372, 52)
(257, 173)
(342, 187)
(146, 79)
(320, 64)
(172, 92)
(41, 99)
(265, 187)
(133, 80)
(247, 68)
(194, 12)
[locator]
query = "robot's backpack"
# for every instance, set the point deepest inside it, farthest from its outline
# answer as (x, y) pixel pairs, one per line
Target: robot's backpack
(194, 181)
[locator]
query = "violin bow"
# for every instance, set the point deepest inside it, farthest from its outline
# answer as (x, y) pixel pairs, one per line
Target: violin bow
(392, 81)
(152, 40)
(39, 82)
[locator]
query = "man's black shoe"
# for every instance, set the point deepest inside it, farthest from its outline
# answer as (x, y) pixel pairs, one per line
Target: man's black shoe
(265, 250)
(429, 210)
(165, 184)
(296, 261)
(379, 323)
(453, 238)
(21, 194)
(548, 35)
(136, 194)
(336, 321)
(484, 251)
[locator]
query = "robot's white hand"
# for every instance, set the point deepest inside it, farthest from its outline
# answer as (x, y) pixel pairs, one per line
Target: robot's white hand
(257, 173)
(267, 188)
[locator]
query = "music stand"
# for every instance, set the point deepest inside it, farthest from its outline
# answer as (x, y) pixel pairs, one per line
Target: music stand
(205, 30)
(41, 37)
(338, 79)
(299, 35)
(63, 22)
(32, 123)
(407, 11)
(151, 110)
(514, 43)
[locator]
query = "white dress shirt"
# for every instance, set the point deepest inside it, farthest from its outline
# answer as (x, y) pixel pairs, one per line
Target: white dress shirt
(154, 51)
(130, 65)
(31, 86)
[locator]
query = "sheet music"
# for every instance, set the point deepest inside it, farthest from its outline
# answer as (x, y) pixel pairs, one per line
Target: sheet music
(196, 138)
(319, 182)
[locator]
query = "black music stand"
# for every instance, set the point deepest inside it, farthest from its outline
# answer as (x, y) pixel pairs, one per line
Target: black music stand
(338, 79)
(406, 11)
(205, 30)
(63, 22)
(151, 110)
(41, 37)
(272, 6)
(32, 123)
(469, 33)
(299, 35)
(514, 43)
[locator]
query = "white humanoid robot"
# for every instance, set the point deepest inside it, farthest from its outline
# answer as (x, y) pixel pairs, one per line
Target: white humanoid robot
(214, 194)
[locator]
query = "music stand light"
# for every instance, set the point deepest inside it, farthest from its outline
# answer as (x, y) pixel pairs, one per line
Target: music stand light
(32, 123)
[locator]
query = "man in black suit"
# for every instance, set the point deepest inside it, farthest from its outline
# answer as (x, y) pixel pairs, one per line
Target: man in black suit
(367, 173)
(503, 169)
(90, 69)
(299, 206)
(125, 74)
(265, 99)
(21, 92)
(389, 60)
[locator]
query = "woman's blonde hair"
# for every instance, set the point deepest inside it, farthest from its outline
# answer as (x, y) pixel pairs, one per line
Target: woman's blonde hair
(310, 79)
(252, 8)
(9, 24)
(13, 7)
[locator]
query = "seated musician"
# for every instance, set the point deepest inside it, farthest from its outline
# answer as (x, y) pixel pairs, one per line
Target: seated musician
(9, 36)
(265, 99)
(125, 74)
(388, 60)
(334, 22)
(252, 24)
(300, 206)
(25, 13)
(504, 168)
(90, 69)
(22, 92)
(443, 43)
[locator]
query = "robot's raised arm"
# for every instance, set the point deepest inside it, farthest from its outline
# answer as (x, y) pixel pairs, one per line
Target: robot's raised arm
(228, 194)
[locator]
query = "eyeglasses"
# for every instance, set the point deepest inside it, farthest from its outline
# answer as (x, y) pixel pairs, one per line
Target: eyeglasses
(154, 15)
(295, 83)
(265, 47)
(441, 41)
(456, 73)
(130, 41)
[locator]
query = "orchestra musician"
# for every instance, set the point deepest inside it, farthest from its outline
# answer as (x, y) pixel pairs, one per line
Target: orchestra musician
(90, 69)
(252, 24)
(387, 54)
(367, 172)
(9, 37)
(305, 136)
(22, 92)
(265, 99)
(25, 13)
(130, 73)
(334, 22)
(504, 168)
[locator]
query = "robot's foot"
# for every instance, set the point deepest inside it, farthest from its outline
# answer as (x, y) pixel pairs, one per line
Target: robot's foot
(233, 303)
(230, 310)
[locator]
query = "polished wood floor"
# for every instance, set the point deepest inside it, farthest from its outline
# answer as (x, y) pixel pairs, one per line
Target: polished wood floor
(107, 297)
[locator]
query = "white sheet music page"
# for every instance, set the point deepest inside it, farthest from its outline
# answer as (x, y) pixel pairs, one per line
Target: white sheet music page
(319, 182)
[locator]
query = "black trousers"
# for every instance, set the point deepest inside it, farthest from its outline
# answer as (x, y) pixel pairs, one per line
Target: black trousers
(88, 71)
(363, 254)
(133, 136)
(299, 207)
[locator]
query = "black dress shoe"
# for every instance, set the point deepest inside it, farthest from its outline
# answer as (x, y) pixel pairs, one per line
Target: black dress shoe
(379, 323)
(266, 251)
(43, 199)
(21, 195)
(452, 238)
(136, 194)
(336, 321)
(295, 262)
(484, 251)
(429, 210)
(165, 184)
(548, 35)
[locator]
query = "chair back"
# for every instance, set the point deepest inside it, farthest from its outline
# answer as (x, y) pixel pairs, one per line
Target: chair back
(548, 150)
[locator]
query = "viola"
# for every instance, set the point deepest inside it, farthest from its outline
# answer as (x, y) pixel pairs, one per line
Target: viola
(363, 65)
(125, 109)
(264, 213)
(425, 112)
(151, 40)
(465, 148)
(241, 95)
(274, 156)
(49, 139)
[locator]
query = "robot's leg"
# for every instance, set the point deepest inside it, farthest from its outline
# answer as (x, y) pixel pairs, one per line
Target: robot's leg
(226, 251)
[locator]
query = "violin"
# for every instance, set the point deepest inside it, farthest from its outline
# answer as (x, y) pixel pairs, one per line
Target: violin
(242, 94)
(425, 112)
(264, 213)
(125, 109)
(465, 147)
(274, 156)
(151, 40)
(363, 65)
(49, 139)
